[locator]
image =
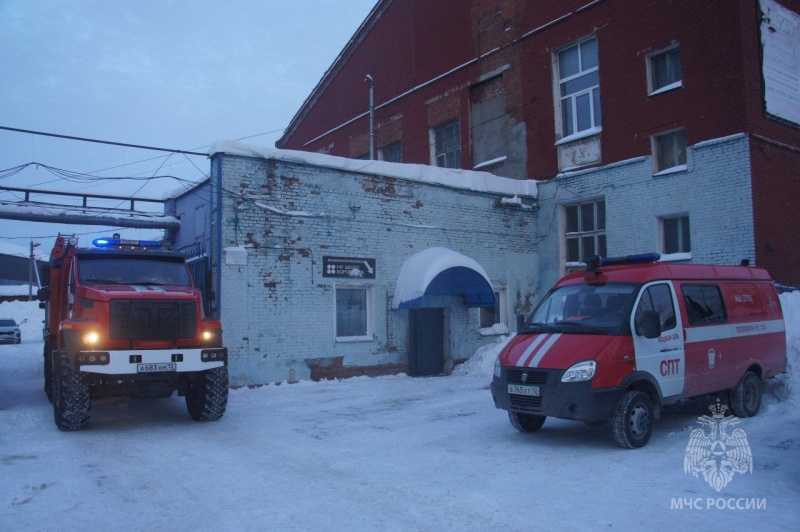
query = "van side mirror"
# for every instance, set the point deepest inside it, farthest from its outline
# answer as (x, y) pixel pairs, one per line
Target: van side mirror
(651, 324)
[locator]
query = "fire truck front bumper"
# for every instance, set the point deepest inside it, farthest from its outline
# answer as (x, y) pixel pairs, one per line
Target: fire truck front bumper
(151, 360)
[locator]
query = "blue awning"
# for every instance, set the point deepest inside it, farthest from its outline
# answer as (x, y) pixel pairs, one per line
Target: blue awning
(442, 271)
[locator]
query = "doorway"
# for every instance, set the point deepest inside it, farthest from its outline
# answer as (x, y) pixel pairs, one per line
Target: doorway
(426, 342)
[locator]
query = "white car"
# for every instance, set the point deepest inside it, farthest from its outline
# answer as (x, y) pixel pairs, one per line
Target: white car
(9, 332)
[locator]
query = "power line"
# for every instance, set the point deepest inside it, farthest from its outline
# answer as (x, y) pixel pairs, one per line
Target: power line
(97, 141)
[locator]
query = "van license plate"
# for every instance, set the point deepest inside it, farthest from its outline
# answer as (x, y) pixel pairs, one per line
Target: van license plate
(523, 390)
(154, 367)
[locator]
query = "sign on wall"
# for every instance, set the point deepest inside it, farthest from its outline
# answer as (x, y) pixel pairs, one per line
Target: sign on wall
(780, 41)
(348, 267)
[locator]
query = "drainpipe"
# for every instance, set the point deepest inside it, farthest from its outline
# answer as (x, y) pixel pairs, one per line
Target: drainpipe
(371, 82)
(218, 301)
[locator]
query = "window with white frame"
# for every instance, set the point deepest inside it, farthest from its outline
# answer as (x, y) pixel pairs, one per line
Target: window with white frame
(669, 150)
(493, 320)
(585, 231)
(391, 153)
(579, 88)
(353, 313)
(676, 234)
(447, 145)
(664, 70)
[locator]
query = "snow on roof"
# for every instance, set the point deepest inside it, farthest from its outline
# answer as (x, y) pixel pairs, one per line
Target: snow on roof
(461, 179)
(421, 268)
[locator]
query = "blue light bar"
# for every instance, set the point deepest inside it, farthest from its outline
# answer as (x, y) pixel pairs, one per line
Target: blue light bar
(122, 243)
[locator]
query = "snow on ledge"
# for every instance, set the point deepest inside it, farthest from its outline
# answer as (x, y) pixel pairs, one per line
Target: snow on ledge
(460, 179)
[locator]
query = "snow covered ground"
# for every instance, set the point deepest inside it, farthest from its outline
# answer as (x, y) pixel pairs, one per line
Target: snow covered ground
(391, 453)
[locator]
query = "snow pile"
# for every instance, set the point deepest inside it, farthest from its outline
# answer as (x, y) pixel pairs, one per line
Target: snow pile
(482, 362)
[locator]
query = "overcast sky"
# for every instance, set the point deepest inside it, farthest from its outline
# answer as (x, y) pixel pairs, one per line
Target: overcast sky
(168, 73)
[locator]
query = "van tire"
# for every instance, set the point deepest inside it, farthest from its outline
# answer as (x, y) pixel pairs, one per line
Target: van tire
(526, 422)
(633, 421)
(745, 398)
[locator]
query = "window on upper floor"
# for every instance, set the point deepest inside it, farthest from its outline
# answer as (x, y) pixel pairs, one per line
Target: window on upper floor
(446, 143)
(392, 153)
(664, 70)
(676, 235)
(585, 231)
(579, 88)
(669, 151)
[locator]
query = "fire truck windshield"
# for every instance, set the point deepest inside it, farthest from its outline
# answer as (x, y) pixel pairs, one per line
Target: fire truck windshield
(132, 271)
(584, 308)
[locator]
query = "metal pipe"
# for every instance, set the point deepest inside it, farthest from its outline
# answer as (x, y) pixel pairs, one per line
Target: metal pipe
(371, 82)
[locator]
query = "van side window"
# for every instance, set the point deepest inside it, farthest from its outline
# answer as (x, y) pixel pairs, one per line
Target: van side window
(656, 298)
(704, 304)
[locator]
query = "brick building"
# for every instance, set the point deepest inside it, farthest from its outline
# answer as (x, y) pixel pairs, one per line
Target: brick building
(657, 125)
(330, 267)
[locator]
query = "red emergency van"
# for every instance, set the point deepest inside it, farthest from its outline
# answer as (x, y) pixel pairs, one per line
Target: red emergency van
(630, 334)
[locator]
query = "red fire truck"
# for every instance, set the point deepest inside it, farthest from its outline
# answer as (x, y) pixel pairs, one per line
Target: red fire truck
(630, 334)
(123, 318)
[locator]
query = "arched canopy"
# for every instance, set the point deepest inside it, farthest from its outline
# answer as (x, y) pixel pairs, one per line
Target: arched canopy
(442, 271)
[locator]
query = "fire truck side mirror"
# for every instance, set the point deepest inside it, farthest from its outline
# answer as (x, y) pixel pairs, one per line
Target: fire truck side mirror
(43, 294)
(651, 324)
(211, 295)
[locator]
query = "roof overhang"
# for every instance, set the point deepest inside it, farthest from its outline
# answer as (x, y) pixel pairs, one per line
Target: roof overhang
(442, 271)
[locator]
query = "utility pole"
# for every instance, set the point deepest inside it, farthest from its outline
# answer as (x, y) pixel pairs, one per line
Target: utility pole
(30, 271)
(371, 82)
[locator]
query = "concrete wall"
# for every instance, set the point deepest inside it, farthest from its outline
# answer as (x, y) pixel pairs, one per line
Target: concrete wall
(283, 217)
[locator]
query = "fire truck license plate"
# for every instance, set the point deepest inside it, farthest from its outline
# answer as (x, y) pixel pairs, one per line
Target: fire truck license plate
(523, 390)
(161, 366)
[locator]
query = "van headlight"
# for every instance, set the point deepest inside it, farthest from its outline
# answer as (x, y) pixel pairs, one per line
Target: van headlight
(497, 372)
(582, 371)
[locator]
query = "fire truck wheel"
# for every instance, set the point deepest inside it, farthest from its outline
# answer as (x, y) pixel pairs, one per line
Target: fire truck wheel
(526, 422)
(207, 395)
(72, 406)
(48, 371)
(633, 420)
(745, 398)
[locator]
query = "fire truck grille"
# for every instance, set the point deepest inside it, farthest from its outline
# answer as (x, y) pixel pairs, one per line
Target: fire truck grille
(531, 376)
(156, 320)
(524, 402)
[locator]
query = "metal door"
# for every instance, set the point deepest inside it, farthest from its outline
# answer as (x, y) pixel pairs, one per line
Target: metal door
(426, 342)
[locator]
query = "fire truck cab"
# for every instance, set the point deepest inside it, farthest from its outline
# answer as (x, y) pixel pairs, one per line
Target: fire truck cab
(628, 335)
(124, 318)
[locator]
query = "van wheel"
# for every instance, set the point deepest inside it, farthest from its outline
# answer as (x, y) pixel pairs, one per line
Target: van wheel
(526, 422)
(633, 421)
(745, 398)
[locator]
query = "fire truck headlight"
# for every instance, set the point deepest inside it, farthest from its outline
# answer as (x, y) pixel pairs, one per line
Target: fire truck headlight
(91, 338)
(208, 335)
(497, 372)
(582, 371)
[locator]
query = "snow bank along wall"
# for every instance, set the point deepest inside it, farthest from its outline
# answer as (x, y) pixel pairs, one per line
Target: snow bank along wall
(299, 236)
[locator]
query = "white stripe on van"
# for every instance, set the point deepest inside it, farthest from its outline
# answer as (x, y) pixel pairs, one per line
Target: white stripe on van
(539, 339)
(731, 330)
(543, 351)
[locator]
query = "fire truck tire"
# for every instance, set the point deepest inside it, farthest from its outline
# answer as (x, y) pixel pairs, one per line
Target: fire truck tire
(207, 395)
(72, 406)
(633, 421)
(526, 422)
(48, 371)
(745, 398)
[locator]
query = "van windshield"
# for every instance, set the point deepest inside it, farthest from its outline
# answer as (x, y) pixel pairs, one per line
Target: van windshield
(584, 309)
